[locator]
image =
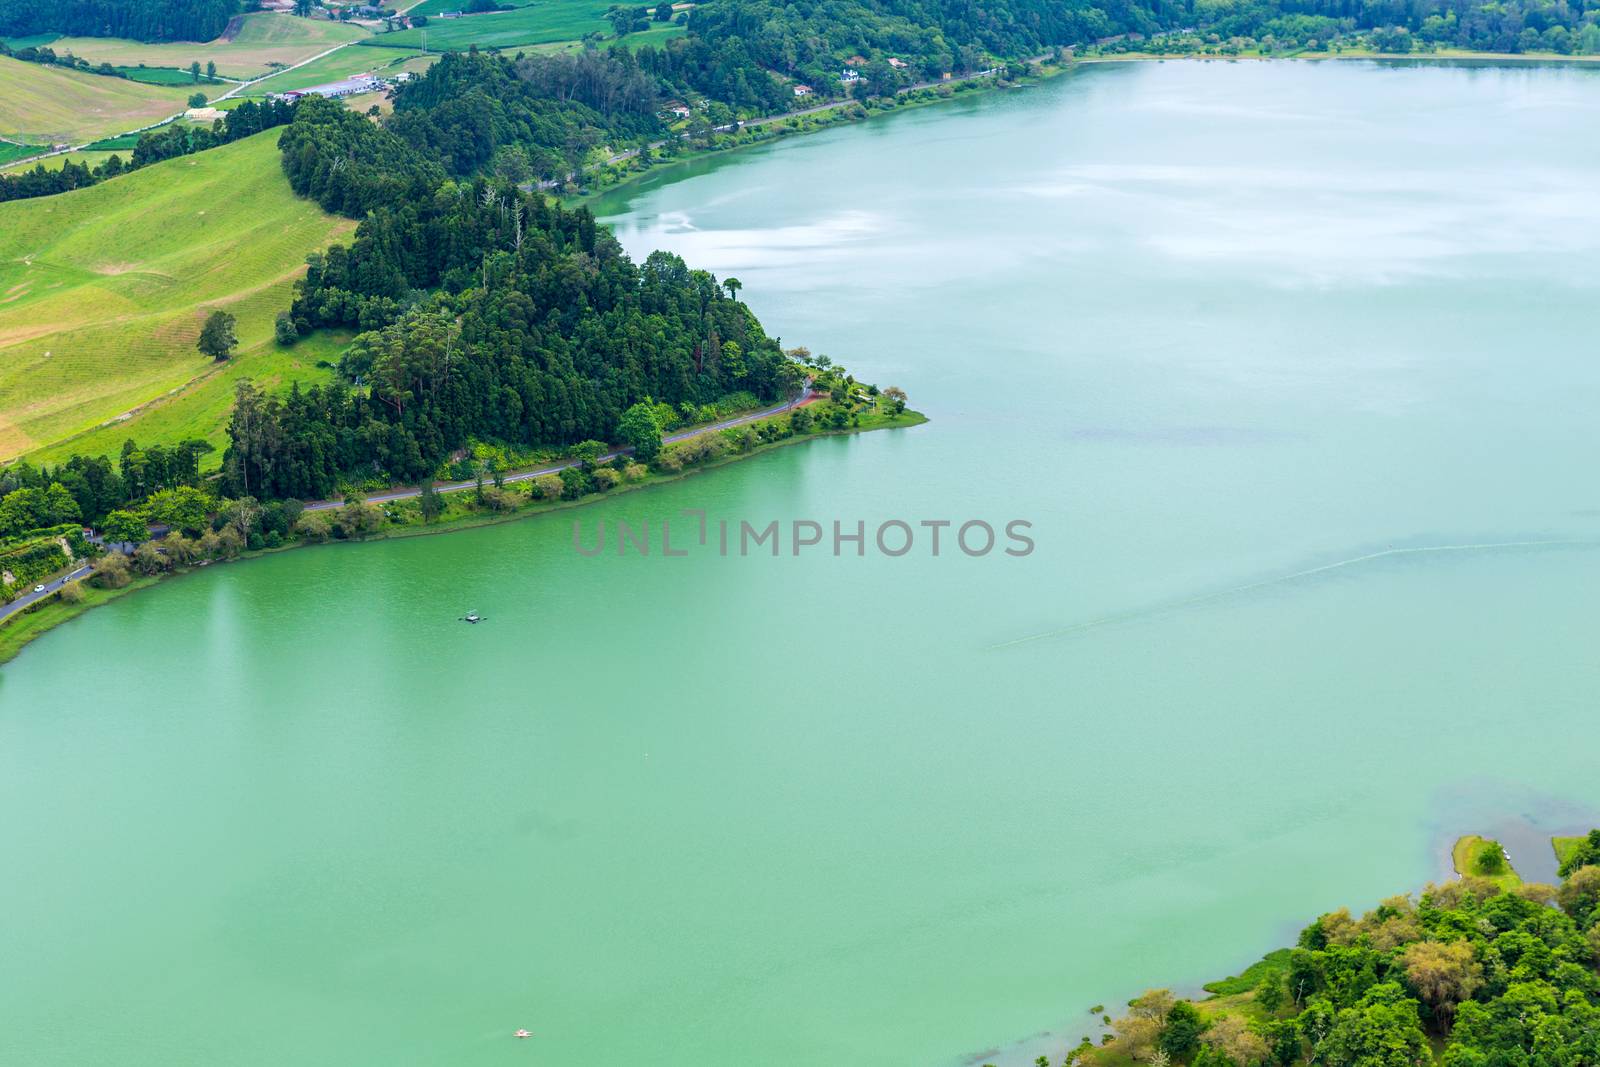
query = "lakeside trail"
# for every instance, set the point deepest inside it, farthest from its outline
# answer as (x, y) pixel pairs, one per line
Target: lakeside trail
(805, 397)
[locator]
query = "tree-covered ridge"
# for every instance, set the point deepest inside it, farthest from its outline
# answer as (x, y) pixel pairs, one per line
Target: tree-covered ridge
(142, 20)
(1470, 974)
(489, 313)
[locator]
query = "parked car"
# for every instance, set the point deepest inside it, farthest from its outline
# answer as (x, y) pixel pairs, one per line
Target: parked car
(38, 589)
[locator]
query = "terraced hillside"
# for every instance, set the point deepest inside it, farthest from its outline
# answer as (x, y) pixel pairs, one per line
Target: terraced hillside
(103, 291)
(41, 104)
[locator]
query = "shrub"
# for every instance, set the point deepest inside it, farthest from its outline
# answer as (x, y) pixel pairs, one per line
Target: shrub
(111, 571)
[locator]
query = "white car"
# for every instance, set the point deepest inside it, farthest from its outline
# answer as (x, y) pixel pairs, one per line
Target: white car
(38, 589)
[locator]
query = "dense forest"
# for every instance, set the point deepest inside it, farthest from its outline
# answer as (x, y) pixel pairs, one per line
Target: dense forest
(1479, 972)
(142, 20)
(488, 313)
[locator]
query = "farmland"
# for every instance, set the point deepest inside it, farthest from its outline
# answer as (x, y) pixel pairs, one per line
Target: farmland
(345, 63)
(42, 103)
(263, 40)
(103, 290)
(539, 23)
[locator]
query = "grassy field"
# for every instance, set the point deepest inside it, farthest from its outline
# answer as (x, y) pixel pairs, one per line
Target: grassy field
(659, 34)
(10, 152)
(1465, 858)
(264, 39)
(434, 7)
(103, 291)
(544, 22)
(345, 63)
(93, 159)
(45, 103)
(169, 76)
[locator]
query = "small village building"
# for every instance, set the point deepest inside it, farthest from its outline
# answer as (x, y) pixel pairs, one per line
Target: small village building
(897, 63)
(802, 90)
(849, 76)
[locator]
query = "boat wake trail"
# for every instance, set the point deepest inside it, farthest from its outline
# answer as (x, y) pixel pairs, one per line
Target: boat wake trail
(1283, 579)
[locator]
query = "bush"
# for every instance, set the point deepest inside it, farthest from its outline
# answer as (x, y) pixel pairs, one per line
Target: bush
(313, 526)
(72, 593)
(546, 487)
(606, 478)
(283, 329)
(111, 571)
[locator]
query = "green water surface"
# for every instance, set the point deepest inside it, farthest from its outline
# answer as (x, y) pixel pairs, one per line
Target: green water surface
(1291, 366)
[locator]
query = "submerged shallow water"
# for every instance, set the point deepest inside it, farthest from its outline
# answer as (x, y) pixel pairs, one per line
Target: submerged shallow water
(1291, 368)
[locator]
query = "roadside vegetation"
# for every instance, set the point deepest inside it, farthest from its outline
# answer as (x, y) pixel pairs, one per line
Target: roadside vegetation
(1478, 972)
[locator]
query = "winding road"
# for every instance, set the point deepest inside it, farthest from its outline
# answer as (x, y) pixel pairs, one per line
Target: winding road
(50, 588)
(806, 394)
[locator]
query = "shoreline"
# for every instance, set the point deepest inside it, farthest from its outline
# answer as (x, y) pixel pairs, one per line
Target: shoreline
(1084, 1042)
(815, 120)
(21, 629)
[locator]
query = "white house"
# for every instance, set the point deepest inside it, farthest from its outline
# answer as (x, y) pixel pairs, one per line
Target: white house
(849, 77)
(802, 90)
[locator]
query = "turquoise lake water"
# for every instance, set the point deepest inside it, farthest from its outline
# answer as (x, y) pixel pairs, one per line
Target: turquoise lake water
(1291, 367)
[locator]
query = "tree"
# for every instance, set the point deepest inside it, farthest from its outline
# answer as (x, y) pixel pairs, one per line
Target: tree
(1181, 1035)
(1443, 974)
(211, 70)
(430, 502)
(283, 329)
(663, 12)
(217, 338)
(1490, 859)
(110, 571)
(548, 487)
(641, 431)
(1580, 893)
(1586, 853)
(895, 398)
(194, 71)
(733, 285)
(1232, 1037)
(1269, 993)
(1383, 1030)
(121, 526)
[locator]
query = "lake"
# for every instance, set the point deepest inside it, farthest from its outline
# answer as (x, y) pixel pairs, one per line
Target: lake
(1290, 366)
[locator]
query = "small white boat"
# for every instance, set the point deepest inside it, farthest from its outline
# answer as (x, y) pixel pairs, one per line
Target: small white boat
(472, 616)
(522, 1033)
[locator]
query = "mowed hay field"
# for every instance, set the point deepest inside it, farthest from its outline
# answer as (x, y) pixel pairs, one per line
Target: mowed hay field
(542, 22)
(264, 38)
(103, 292)
(43, 104)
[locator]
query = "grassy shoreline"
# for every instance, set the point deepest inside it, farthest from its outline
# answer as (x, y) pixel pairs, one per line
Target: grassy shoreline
(21, 629)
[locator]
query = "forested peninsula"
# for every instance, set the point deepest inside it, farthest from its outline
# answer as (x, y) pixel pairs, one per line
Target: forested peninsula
(1483, 971)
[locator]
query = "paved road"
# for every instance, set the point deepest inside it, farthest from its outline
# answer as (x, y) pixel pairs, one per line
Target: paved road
(49, 589)
(522, 476)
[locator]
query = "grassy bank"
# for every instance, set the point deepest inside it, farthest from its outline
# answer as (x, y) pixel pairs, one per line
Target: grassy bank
(1474, 856)
(404, 519)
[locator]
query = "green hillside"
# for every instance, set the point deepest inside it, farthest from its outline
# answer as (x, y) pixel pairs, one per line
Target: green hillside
(103, 290)
(43, 104)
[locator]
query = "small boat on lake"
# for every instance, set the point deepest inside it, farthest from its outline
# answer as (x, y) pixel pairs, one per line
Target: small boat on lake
(472, 616)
